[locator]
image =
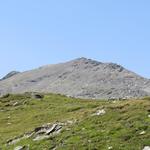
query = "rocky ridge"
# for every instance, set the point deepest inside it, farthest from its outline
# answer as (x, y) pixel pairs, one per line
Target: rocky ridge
(80, 78)
(10, 74)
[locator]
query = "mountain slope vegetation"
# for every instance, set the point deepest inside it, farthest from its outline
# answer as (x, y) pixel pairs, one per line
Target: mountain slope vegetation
(86, 124)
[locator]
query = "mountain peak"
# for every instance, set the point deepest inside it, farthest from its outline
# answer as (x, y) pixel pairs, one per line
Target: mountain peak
(83, 60)
(80, 59)
(81, 78)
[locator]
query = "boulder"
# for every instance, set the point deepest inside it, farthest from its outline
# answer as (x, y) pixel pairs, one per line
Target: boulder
(146, 148)
(99, 112)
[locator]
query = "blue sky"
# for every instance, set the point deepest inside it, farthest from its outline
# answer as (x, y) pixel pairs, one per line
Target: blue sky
(38, 32)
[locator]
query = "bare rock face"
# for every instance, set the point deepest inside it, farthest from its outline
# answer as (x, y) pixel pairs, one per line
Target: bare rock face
(81, 78)
(39, 133)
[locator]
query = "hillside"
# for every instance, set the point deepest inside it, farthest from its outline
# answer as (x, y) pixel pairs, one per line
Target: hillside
(61, 123)
(80, 78)
(10, 74)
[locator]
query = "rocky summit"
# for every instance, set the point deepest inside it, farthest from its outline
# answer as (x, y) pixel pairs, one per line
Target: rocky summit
(80, 78)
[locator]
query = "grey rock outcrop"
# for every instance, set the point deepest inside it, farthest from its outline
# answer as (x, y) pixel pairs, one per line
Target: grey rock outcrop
(22, 148)
(81, 78)
(39, 133)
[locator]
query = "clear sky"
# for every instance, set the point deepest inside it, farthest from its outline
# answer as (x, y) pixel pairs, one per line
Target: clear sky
(38, 32)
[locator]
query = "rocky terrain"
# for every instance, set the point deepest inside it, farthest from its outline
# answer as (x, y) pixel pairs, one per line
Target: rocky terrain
(57, 122)
(80, 78)
(10, 74)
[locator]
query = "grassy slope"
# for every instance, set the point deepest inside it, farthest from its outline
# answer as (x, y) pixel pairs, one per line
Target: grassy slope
(120, 127)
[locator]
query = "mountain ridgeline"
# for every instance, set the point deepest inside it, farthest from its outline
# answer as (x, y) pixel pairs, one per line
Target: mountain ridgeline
(80, 78)
(10, 74)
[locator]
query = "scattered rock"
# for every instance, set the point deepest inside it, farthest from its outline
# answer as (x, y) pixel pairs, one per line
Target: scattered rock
(110, 147)
(45, 131)
(99, 112)
(70, 122)
(89, 141)
(14, 140)
(103, 81)
(18, 148)
(142, 133)
(22, 148)
(15, 104)
(40, 133)
(146, 148)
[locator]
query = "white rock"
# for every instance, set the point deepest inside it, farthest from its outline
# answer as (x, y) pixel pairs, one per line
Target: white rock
(146, 148)
(100, 112)
(9, 123)
(89, 141)
(51, 129)
(70, 122)
(83, 129)
(143, 132)
(19, 148)
(148, 116)
(110, 147)
(15, 104)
